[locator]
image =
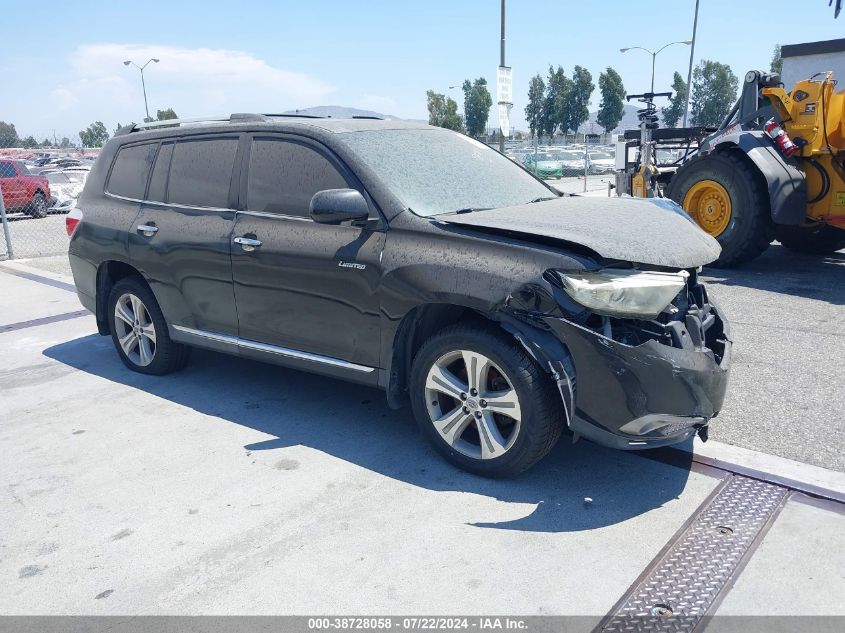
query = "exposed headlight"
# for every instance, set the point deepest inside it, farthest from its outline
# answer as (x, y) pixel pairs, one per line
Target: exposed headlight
(624, 293)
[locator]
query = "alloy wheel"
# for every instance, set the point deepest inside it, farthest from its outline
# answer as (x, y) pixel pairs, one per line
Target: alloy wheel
(472, 404)
(135, 329)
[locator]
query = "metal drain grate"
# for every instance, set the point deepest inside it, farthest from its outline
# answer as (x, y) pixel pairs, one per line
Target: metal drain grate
(683, 583)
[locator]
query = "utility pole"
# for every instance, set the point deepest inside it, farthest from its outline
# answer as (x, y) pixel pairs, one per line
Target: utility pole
(689, 72)
(502, 64)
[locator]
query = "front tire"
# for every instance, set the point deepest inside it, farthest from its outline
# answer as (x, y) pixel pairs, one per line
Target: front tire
(819, 239)
(729, 201)
(483, 402)
(37, 207)
(139, 331)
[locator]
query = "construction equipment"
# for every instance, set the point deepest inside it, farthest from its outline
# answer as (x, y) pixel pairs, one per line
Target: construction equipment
(643, 180)
(773, 169)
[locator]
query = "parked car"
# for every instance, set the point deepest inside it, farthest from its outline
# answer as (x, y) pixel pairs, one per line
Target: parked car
(505, 312)
(66, 185)
(601, 163)
(22, 191)
(543, 165)
(571, 162)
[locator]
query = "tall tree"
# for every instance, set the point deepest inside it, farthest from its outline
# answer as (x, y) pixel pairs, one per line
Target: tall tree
(29, 142)
(8, 135)
(558, 86)
(612, 106)
(64, 143)
(443, 112)
(46, 143)
(534, 110)
(95, 135)
(165, 115)
(675, 111)
(714, 88)
(776, 65)
(578, 100)
(477, 103)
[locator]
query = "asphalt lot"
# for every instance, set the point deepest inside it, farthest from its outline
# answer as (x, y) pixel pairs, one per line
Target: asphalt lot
(788, 323)
(35, 237)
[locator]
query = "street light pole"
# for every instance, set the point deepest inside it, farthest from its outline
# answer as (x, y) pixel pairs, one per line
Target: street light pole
(689, 72)
(654, 54)
(502, 63)
(143, 83)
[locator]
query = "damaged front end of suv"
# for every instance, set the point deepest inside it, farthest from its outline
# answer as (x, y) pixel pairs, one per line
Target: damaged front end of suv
(641, 357)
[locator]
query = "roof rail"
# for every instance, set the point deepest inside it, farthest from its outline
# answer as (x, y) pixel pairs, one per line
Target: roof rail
(300, 116)
(236, 117)
(368, 116)
(224, 118)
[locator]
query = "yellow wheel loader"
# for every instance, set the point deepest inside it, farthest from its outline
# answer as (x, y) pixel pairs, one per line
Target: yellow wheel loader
(773, 169)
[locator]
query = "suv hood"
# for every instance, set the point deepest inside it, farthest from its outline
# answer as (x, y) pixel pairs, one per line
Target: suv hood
(653, 231)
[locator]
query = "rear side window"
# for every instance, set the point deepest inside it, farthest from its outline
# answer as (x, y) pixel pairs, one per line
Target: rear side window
(201, 171)
(131, 168)
(7, 170)
(284, 175)
(158, 183)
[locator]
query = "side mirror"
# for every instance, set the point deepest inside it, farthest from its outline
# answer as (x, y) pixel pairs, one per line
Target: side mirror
(333, 206)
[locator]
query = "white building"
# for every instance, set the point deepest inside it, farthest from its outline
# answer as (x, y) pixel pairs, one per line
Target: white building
(802, 61)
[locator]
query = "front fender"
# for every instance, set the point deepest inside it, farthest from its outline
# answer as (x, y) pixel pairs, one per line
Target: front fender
(786, 183)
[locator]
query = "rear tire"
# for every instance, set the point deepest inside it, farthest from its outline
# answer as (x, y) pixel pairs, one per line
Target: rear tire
(819, 239)
(139, 331)
(748, 231)
(502, 428)
(37, 207)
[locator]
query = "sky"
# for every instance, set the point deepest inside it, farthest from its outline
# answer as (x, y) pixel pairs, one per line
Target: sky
(272, 56)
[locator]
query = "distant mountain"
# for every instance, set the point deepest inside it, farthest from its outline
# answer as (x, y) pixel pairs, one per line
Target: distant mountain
(629, 121)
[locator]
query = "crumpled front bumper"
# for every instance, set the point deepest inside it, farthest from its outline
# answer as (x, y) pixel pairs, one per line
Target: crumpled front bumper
(643, 396)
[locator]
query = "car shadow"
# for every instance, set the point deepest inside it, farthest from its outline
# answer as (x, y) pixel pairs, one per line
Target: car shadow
(578, 487)
(784, 271)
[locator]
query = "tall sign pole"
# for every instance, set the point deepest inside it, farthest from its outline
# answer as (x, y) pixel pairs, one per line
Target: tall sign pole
(689, 72)
(504, 89)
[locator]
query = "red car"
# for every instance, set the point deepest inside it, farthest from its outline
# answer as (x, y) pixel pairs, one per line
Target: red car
(22, 191)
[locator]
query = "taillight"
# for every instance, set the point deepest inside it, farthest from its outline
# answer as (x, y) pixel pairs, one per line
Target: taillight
(72, 220)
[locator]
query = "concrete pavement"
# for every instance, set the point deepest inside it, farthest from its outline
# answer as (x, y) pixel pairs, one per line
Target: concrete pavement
(236, 487)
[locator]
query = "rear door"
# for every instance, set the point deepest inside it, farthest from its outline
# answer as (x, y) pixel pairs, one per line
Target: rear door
(181, 239)
(307, 287)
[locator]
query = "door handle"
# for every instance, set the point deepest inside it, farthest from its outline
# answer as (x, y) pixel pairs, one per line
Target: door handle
(247, 243)
(147, 230)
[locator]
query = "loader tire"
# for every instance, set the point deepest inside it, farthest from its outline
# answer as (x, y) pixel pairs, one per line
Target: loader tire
(820, 239)
(728, 199)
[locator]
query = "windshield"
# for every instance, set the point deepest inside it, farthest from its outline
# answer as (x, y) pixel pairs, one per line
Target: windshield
(434, 171)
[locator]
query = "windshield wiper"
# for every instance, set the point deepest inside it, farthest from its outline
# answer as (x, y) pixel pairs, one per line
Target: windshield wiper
(471, 209)
(543, 199)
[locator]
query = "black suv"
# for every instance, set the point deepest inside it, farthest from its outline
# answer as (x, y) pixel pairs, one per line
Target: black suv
(411, 258)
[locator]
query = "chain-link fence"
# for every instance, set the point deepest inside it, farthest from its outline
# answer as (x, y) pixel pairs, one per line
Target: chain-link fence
(572, 164)
(37, 188)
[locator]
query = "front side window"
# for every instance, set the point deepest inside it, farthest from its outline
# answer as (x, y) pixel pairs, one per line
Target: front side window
(285, 175)
(201, 172)
(130, 171)
(7, 170)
